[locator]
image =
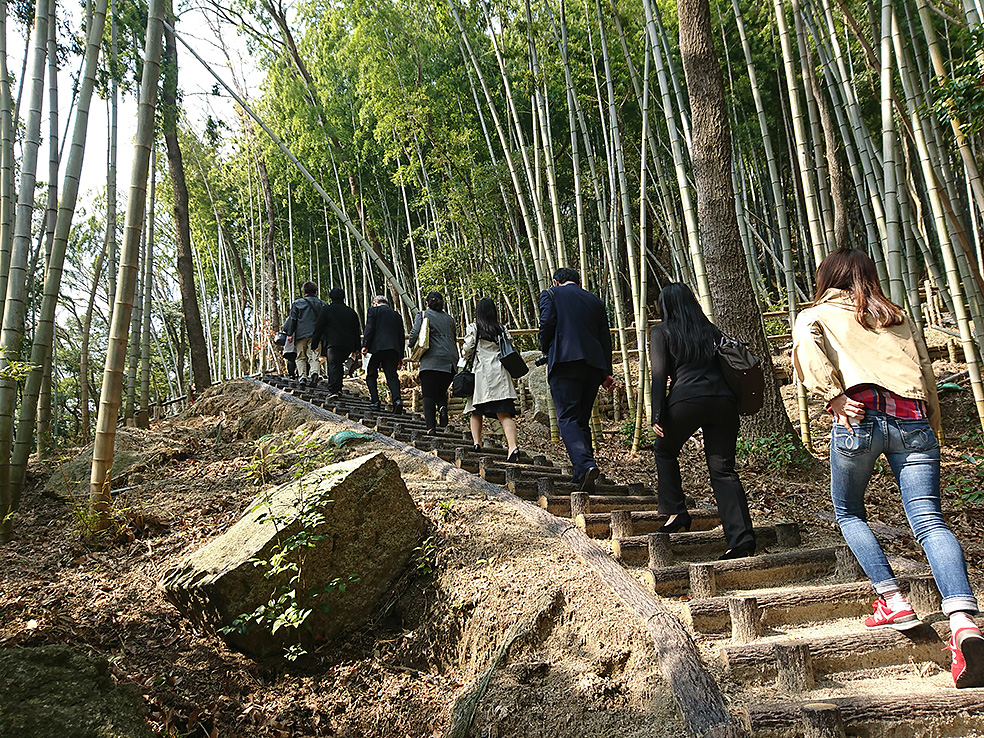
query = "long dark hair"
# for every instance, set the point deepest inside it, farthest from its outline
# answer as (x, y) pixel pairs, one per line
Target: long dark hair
(854, 271)
(691, 336)
(487, 320)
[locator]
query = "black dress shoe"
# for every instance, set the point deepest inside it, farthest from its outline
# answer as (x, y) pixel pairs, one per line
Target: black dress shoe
(682, 521)
(442, 416)
(398, 408)
(513, 457)
(477, 447)
(590, 476)
(374, 405)
(738, 552)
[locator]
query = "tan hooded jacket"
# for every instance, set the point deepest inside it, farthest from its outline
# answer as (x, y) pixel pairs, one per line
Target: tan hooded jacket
(832, 353)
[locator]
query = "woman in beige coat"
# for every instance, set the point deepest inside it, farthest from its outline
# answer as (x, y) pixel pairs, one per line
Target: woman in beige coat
(495, 395)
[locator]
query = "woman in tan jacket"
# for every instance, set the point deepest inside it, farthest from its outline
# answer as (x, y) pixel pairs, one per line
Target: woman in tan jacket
(857, 351)
(495, 394)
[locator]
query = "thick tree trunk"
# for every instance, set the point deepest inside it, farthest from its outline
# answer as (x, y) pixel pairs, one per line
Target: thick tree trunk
(735, 310)
(182, 230)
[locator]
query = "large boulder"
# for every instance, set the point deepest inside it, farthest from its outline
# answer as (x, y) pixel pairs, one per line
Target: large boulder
(536, 381)
(337, 538)
(59, 692)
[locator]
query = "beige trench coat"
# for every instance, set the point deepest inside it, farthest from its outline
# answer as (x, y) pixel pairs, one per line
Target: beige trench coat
(492, 381)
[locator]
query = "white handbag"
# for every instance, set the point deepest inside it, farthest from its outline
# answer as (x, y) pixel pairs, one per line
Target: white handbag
(423, 341)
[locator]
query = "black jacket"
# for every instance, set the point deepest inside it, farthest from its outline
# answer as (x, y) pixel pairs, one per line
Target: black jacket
(338, 327)
(303, 316)
(687, 381)
(384, 330)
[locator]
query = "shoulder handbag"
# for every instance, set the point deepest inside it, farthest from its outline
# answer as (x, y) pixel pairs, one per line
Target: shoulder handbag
(743, 372)
(511, 358)
(463, 383)
(423, 340)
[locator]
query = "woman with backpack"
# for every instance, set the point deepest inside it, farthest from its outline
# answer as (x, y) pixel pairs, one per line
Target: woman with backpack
(683, 350)
(495, 395)
(857, 351)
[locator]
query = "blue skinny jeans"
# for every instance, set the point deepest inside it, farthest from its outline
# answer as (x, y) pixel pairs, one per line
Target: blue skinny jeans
(914, 455)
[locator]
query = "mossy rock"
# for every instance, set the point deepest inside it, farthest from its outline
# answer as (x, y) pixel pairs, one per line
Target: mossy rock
(60, 692)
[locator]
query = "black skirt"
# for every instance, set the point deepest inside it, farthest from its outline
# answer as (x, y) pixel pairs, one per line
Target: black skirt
(495, 408)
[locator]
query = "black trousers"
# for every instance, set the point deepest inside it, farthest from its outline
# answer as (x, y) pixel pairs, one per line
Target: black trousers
(574, 387)
(434, 393)
(388, 361)
(718, 418)
(334, 358)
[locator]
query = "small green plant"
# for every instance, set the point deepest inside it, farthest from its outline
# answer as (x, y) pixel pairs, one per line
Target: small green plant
(425, 555)
(969, 486)
(627, 431)
(444, 509)
(775, 453)
(273, 456)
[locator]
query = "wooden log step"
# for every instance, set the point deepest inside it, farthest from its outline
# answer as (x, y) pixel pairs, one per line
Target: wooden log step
(811, 604)
(799, 605)
(597, 524)
(912, 711)
(756, 662)
(635, 550)
(560, 505)
(528, 483)
(750, 572)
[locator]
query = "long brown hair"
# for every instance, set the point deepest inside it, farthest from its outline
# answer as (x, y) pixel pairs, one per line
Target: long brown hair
(854, 271)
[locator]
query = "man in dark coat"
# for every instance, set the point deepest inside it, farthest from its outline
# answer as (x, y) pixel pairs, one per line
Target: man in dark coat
(575, 336)
(301, 319)
(384, 340)
(337, 335)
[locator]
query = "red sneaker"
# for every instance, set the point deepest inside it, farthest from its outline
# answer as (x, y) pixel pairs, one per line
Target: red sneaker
(967, 645)
(885, 617)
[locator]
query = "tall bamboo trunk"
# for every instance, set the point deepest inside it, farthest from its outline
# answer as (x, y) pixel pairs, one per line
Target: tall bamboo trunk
(109, 400)
(13, 314)
(45, 331)
(6, 158)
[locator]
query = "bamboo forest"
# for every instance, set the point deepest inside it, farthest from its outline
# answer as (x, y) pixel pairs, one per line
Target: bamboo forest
(172, 174)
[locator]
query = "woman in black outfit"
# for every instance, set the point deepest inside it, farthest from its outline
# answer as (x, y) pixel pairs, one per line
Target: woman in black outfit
(683, 349)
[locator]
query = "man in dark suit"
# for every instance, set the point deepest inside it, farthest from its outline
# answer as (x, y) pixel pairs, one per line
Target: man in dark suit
(337, 334)
(384, 340)
(574, 335)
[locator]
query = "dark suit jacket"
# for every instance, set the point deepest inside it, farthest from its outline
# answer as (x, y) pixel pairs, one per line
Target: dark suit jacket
(384, 330)
(574, 327)
(338, 327)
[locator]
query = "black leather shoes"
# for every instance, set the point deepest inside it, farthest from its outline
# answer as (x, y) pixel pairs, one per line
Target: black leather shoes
(590, 476)
(442, 416)
(513, 457)
(682, 521)
(738, 552)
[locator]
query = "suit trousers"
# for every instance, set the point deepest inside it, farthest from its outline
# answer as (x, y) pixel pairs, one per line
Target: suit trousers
(574, 387)
(717, 417)
(334, 358)
(388, 360)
